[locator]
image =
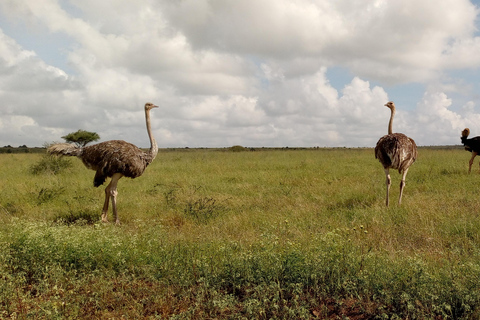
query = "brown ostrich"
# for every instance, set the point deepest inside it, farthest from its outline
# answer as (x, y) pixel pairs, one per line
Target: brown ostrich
(115, 159)
(396, 151)
(472, 145)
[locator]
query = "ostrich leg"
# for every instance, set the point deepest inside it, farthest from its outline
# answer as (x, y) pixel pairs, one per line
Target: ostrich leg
(105, 204)
(388, 182)
(113, 195)
(111, 192)
(474, 154)
(402, 185)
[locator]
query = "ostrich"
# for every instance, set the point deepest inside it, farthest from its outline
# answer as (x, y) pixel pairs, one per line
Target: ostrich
(472, 145)
(115, 159)
(396, 151)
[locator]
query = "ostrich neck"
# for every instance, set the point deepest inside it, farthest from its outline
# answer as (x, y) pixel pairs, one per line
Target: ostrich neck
(153, 144)
(390, 123)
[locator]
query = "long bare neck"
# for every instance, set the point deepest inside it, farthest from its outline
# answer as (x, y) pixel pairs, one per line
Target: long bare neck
(390, 123)
(153, 144)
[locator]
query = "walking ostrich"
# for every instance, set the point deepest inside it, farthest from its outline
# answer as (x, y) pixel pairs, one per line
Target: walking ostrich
(396, 151)
(472, 145)
(115, 159)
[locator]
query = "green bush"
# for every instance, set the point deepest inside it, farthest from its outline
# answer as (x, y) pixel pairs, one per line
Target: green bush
(202, 209)
(48, 194)
(237, 148)
(81, 217)
(50, 164)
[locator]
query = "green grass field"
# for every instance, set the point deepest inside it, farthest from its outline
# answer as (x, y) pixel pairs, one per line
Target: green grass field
(271, 234)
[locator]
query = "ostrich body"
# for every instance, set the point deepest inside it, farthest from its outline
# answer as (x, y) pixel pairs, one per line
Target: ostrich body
(472, 145)
(395, 151)
(114, 159)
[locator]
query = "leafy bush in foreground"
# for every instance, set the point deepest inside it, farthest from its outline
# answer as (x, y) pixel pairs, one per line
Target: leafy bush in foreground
(50, 164)
(266, 280)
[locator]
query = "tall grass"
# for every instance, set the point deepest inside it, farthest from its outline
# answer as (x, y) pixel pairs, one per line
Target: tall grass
(269, 234)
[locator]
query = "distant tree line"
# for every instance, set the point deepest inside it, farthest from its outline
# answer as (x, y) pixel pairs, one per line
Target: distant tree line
(80, 138)
(20, 149)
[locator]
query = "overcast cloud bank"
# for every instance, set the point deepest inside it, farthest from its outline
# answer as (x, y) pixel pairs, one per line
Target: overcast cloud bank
(238, 72)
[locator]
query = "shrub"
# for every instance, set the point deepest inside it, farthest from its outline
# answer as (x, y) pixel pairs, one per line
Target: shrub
(50, 164)
(237, 148)
(202, 209)
(77, 217)
(48, 194)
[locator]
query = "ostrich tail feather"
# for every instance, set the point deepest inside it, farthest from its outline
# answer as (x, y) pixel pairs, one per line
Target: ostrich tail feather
(65, 149)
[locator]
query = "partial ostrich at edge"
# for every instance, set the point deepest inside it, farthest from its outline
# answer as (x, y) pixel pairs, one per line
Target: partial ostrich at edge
(114, 159)
(395, 151)
(472, 145)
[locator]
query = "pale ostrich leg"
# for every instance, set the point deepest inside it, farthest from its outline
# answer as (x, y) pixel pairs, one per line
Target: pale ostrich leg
(111, 193)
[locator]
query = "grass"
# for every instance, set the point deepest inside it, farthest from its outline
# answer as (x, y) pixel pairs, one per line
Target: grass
(297, 234)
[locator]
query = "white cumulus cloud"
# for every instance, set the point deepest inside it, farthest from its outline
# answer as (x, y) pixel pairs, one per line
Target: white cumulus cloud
(247, 72)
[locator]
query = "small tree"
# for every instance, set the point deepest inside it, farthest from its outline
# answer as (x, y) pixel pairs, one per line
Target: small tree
(81, 137)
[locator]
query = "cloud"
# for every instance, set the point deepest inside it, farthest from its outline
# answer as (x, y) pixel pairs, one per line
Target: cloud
(434, 123)
(395, 41)
(240, 72)
(33, 93)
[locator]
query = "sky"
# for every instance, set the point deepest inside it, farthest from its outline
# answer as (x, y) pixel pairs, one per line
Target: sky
(268, 73)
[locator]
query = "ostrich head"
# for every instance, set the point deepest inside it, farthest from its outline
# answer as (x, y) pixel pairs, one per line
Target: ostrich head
(390, 105)
(150, 106)
(465, 132)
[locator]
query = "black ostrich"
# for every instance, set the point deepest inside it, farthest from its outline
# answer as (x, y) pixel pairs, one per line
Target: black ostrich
(472, 145)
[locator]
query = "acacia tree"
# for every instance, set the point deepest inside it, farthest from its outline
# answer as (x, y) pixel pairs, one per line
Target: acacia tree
(81, 137)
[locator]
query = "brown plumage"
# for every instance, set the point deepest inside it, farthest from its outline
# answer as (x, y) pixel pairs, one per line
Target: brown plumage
(472, 145)
(114, 159)
(396, 151)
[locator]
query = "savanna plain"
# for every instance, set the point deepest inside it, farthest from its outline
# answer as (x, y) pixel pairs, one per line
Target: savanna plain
(266, 234)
